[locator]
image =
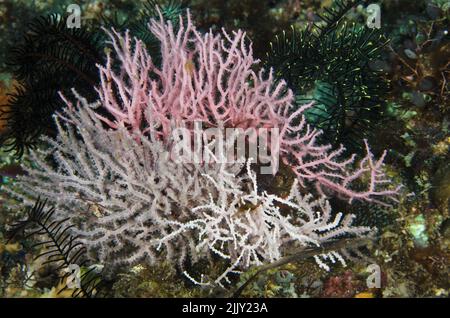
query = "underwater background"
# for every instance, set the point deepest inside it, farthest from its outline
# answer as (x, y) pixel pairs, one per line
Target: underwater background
(387, 85)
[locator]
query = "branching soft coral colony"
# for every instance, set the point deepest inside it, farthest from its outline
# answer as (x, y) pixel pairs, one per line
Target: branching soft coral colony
(116, 180)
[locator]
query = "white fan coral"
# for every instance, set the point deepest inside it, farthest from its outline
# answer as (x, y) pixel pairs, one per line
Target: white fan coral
(129, 201)
(118, 189)
(249, 228)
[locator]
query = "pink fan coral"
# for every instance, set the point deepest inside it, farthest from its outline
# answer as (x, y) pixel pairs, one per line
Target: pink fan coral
(207, 78)
(211, 78)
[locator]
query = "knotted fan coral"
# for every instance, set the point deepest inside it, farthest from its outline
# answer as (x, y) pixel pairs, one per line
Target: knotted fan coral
(114, 177)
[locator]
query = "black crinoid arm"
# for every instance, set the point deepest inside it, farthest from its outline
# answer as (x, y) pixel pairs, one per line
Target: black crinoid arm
(57, 246)
(332, 63)
(50, 58)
